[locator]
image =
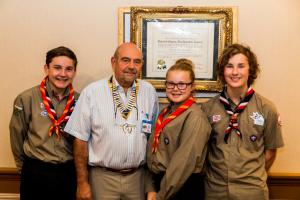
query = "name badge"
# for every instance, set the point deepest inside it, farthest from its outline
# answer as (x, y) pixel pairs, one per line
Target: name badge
(146, 126)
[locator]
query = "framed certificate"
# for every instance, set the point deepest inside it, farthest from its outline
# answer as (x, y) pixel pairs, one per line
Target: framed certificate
(166, 34)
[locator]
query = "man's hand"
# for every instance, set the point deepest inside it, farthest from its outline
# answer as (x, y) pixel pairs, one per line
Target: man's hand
(270, 155)
(151, 196)
(84, 191)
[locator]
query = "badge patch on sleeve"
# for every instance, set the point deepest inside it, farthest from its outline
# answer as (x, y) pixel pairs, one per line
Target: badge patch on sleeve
(258, 119)
(280, 123)
(17, 110)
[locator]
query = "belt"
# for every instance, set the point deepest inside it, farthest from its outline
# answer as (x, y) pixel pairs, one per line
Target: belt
(123, 171)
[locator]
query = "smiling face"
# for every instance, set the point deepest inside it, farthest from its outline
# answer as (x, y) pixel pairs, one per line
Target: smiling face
(61, 71)
(236, 72)
(127, 64)
(177, 95)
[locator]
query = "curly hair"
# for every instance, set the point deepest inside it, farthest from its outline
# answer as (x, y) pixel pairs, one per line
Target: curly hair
(233, 50)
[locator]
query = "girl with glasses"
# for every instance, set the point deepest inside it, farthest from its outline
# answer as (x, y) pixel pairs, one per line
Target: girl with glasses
(177, 147)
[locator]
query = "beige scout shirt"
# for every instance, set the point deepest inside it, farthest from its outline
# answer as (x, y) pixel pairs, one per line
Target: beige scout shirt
(29, 128)
(237, 170)
(181, 151)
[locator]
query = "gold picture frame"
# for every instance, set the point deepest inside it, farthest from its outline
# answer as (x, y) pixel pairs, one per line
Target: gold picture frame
(123, 25)
(221, 22)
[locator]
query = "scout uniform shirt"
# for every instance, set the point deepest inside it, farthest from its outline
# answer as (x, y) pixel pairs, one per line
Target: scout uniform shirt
(181, 150)
(236, 170)
(29, 127)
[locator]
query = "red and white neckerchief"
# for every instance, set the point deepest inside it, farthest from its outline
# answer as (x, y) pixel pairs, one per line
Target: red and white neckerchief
(160, 123)
(56, 122)
(233, 123)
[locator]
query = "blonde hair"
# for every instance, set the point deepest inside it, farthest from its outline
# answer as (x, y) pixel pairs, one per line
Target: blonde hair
(184, 64)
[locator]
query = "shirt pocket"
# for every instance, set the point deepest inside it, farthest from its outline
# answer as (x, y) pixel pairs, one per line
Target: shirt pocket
(253, 136)
(219, 123)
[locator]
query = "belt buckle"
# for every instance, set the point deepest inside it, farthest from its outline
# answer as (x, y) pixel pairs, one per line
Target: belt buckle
(128, 171)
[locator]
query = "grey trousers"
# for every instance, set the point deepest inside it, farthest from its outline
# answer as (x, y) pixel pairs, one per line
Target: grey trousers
(108, 185)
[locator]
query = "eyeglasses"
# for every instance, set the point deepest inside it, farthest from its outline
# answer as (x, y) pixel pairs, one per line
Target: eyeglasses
(180, 86)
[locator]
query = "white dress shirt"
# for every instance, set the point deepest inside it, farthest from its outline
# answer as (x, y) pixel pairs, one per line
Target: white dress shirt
(113, 141)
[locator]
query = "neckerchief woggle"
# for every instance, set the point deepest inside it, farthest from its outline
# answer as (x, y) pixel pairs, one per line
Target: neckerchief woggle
(56, 122)
(233, 122)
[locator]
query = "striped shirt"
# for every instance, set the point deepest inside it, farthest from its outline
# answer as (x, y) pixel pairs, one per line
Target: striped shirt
(113, 141)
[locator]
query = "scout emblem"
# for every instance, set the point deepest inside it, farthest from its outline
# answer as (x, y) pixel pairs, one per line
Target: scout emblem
(258, 119)
(216, 118)
(253, 138)
(44, 113)
(166, 141)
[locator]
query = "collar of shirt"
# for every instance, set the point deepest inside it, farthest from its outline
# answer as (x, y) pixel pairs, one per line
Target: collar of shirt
(232, 104)
(121, 89)
(52, 93)
(172, 107)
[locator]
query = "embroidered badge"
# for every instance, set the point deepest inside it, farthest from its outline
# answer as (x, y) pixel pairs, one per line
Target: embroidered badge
(18, 107)
(166, 140)
(253, 138)
(216, 118)
(279, 121)
(258, 118)
(17, 110)
(44, 113)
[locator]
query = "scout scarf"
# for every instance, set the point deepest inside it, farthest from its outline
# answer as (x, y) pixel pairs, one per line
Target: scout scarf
(160, 123)
(124, 109)
(56, 122)
(233, 123)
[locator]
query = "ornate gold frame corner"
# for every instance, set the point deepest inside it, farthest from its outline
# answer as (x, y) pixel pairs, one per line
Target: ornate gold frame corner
(226, 17)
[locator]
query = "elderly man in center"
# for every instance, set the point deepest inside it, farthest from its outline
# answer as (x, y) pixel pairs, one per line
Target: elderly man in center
(111, 123)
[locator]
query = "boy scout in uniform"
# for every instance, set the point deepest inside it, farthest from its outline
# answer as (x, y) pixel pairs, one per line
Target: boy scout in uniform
(42, 151)
(246, 131)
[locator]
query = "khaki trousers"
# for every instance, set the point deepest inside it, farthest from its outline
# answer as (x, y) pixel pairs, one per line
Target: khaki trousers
(108, 185)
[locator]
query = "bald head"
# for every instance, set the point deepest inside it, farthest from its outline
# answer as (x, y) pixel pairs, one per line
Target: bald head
(126, 45)
(127, 63)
